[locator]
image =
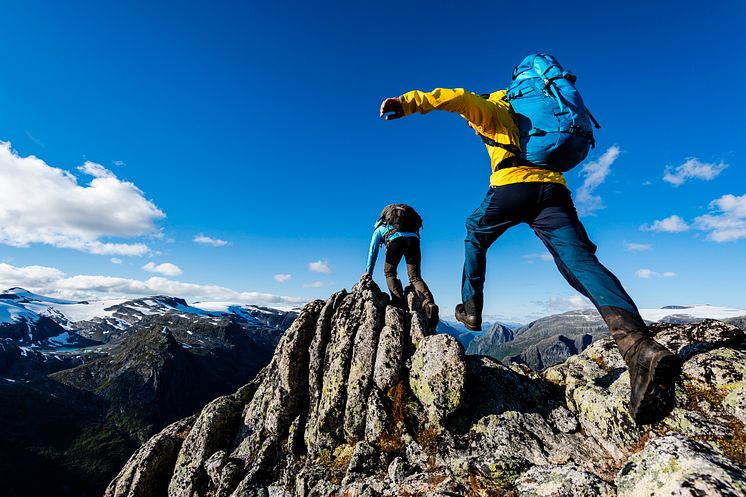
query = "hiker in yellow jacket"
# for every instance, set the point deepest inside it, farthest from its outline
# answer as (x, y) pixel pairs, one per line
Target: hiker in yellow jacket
(521, 192)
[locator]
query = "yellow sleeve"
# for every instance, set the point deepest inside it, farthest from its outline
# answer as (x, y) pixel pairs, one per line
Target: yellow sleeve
(492, 117)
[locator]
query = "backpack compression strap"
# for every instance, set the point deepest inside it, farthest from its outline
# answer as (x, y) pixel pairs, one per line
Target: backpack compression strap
(549, 83)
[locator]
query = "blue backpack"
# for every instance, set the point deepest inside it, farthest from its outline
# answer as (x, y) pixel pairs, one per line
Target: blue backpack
(555, 125)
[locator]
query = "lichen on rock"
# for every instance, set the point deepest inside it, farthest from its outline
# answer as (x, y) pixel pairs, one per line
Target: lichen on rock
(676, 466)
(437, 376)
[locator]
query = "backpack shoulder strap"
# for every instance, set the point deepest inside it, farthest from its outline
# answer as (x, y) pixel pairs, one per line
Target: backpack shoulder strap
(513, 149)
(595, 123)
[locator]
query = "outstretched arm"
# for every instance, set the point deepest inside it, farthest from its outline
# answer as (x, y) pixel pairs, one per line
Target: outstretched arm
(490, 117)
(375, 244)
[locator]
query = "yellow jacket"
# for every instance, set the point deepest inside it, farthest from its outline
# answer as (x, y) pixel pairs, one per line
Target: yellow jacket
(493, 118)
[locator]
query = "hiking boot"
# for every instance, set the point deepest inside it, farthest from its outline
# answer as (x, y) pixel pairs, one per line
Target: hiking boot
(471, 322)
(653, 371)
(432, 313)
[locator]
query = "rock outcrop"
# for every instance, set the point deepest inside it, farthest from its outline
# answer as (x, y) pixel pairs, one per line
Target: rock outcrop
(361, 400)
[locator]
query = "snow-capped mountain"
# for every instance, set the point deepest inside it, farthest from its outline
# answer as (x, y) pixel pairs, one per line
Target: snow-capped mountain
(88, 381)
(47, 322)
(28, 319)
(690, 313)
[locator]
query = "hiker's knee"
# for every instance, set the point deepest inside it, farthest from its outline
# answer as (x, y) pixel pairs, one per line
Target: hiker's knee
(475, 244)
(473, 222)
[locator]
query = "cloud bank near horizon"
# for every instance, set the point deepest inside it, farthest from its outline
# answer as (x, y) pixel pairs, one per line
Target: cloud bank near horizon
(53, 282)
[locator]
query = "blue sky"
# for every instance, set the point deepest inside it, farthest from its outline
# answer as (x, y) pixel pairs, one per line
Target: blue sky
(255, 123)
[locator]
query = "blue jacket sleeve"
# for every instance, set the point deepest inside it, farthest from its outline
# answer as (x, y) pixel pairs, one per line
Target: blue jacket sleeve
(375, 244)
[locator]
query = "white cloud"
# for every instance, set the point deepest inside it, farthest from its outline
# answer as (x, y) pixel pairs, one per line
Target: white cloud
(319, 267)
(29, 276)
(594, 173)
(116, 260)
(531, 258)
(568, 303)
(692, 169)
(206, 240)
(53, 282)
(637, 247)
(282, 278)
(727, 222)
(671, 224)
(40, 203)
(166, 268)
(649, 273)
(315, 284)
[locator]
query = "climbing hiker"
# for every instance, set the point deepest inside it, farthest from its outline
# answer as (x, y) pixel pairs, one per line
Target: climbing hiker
(399, 229)
(535, 131)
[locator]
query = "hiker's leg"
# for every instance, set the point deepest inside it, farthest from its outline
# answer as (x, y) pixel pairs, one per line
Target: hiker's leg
(499, 210)
(394, 254)
(413, 257)
(653, 368)
(558, 226)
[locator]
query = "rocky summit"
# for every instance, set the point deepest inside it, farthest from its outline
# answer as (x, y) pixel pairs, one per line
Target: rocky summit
(360, 399)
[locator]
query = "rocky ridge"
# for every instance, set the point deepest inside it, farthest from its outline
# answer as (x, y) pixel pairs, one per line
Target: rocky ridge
(361, 400)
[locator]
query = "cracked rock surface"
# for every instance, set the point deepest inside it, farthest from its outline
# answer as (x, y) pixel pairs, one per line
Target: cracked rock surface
(360, 399)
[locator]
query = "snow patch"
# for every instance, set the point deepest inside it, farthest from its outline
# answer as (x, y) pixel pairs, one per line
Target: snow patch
(695, 311)
(78, 311)
(11, 313)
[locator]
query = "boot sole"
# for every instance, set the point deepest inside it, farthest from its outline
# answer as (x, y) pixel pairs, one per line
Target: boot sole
(660, 393)
(463, 321)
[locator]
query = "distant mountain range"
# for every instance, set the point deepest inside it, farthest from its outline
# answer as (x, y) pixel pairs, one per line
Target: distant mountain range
(48, 323)
(552, 339)
(88, 382)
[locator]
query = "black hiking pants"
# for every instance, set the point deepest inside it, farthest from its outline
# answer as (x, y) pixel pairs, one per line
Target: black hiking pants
(407, 247)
